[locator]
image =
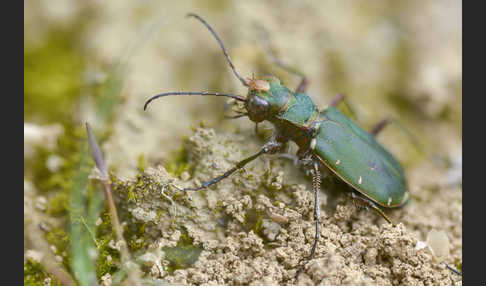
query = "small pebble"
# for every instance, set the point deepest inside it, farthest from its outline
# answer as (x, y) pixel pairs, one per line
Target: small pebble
(41, 203)
(438, 243)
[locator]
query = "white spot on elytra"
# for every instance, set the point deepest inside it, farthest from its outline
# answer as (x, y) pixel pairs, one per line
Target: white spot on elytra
(313, 143)
(360, 180)
(338, 162)
(389, 201)
(405, 198)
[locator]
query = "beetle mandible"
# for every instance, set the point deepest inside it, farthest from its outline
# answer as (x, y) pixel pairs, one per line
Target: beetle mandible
(326, 139)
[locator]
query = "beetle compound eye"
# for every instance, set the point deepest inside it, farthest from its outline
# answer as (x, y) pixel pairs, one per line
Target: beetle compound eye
(258, 109)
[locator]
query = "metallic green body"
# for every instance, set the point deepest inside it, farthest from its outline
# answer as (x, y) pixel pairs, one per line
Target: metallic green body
(357, 158)
(346, 149)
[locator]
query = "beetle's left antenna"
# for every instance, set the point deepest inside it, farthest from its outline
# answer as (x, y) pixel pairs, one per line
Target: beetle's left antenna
(221, 45)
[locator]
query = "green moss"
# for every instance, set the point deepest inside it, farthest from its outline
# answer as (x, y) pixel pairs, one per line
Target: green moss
(183, 255)
(253, 221)
(204, 124)
(141, 163)
(135, 237)
(58, 204)
(108, 259)
(185, 239)
(60, 239)
(34, 274)
(219, 207)
(140, 182)
(52, 76)
(136, 244)
(141, 229)
(131, 196)
(179, 163)
(68, 147)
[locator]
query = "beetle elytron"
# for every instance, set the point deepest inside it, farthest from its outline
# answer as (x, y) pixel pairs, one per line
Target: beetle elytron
(326, 140)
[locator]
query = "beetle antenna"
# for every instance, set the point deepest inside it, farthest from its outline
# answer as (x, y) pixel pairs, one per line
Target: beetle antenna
(203, 93)
(221, 45)
(452, 269)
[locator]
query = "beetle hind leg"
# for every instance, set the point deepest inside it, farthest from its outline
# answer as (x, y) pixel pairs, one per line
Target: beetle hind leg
(316, 179)
(369, 204)
(338, 98)
(380, 126)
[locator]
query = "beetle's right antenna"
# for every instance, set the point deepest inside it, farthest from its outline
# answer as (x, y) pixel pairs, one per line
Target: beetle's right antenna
(221, 45)
(203, 93)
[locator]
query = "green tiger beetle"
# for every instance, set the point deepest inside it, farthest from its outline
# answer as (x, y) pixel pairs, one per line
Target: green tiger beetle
(327, 140)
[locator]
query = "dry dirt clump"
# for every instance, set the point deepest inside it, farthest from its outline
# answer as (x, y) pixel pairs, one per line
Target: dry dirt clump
(255, 227)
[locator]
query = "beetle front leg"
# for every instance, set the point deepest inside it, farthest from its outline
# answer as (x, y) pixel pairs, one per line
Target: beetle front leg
(271, 147)
(316, 180)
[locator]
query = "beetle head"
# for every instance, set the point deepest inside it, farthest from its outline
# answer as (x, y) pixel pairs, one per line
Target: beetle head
(257, 106)
(265, 98)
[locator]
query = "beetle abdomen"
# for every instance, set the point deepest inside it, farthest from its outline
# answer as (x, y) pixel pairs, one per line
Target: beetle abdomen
(357, 158)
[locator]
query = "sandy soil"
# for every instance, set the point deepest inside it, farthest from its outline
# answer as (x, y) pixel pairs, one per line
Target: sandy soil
(357, 247)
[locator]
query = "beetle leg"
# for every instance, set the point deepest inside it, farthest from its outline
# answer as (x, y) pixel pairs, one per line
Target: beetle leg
(336, 100)
(302, 85)
(372, 205)
(380, 126)
(414, 140)
(235, 116)
(271, 147)
(303, 81)
(316, 179)
(378, 210)
(341, 97)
